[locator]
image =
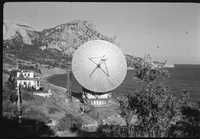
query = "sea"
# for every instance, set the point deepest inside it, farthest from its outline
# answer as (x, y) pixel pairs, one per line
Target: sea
(182, 77)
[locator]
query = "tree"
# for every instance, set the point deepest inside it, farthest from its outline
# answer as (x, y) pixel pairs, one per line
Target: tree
(13, 98)
(155, 111)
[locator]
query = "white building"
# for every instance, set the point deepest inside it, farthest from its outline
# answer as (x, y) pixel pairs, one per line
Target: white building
(27, 79)
(158, 64)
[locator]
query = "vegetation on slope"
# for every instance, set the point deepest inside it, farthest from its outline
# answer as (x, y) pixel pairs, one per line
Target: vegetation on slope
(34, 120)
(155, 111)
(52, 46)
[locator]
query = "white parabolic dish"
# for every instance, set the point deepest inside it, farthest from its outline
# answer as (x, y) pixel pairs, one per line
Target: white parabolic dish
(99, 66)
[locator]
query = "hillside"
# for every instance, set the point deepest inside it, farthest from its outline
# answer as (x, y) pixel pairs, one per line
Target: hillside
(68, 37)
(48, 45)
(53, 46)
(17, 32)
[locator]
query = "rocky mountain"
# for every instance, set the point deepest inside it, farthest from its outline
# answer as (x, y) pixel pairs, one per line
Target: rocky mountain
(49, 45)
(65, 37)
(52, 46)
(19, 32)
(68, 37)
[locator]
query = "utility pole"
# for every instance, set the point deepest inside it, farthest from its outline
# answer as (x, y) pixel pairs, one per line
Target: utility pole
(68, 71)
(19, 103)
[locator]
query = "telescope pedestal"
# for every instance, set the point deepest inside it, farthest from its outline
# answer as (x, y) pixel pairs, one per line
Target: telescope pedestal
(96, 99)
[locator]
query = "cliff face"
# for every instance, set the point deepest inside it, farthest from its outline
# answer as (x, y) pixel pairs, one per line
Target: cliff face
(65, 37)
(14, 32)
(52, 46)
(49, 45)
(68, 37)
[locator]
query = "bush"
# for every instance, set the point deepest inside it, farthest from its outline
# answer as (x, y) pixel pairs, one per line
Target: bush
(27, 96)
(10, 84)
(41, 89)
(189, 126)
(13, 98)
(8, 90)
(68, 122)
(39, 71)
(28, 127)
(159, 113)
(37, 115)
(9, 108)
(52, 110)
(107, 131)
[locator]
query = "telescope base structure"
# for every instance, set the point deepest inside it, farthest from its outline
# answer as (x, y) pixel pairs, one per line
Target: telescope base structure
(97, 100)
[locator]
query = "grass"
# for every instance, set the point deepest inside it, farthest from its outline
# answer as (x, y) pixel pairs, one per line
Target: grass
(37, 115)
(31, 105)
(35, 108)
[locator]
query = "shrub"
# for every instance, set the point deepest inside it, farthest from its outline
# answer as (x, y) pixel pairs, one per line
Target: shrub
(11, 83)
(13, 98)
(27, 96)
(112, 131)
(52, 110)
(41, 89)
(39, 71)
(9, 108)
(38, 100)
(159, 113)
(8, 90)
(68, 122)
(28, 127)
(37, 115)
(189, 125)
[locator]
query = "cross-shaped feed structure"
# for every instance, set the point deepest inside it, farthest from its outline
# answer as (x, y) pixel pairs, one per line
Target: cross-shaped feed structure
(99, 61)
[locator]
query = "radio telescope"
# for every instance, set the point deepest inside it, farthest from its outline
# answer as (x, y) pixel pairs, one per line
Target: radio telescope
(99, 66)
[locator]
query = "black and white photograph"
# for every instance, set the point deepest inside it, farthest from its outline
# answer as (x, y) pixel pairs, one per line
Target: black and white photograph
(101, 69)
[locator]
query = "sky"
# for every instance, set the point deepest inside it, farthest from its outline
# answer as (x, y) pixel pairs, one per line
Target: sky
(166, 31)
